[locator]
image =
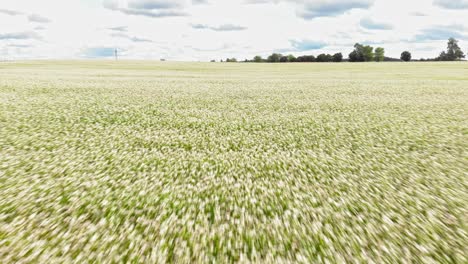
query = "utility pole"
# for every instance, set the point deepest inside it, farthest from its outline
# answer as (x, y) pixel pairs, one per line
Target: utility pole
(115, 52)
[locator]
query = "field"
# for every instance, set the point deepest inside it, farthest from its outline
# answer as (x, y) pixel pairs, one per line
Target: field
(150, 162)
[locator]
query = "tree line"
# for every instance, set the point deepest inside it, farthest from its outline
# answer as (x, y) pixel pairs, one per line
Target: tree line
(277, 57)
(361, 53)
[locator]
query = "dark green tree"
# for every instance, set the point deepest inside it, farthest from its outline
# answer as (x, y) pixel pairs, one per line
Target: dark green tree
(368, 53)
(354, 56)
(358, 53)
(310, 58)
(283, 59)
(442, 57)
(338, 57)
(275, 57)
(379, 54)
(405, 56)
(453, 50)
(322, 58)
(291, 58)
(257, 59)
(305, 58)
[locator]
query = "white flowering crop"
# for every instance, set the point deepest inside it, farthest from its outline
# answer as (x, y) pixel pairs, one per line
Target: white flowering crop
(148, 162)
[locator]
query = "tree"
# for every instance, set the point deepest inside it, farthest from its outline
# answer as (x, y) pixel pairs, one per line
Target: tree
(258, 59)
(283, 59)
(453, 50)
(275, 57)
(354, 56)
(442, 57)
(291, 58)
(358, 53)
(310, 58)
(338, 57)
(368, 53)
(405, 56)
(379, 54)
(322, 58)
(306, 58)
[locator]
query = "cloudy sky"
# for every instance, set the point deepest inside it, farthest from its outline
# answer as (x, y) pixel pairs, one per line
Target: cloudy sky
(201, 30)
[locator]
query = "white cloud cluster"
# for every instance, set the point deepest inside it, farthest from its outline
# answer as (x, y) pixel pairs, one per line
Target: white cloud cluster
(151, 8)
(310, 9)
(452, 4)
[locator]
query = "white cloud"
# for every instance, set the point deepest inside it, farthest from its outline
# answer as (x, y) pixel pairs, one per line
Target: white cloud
(369, 23)
(19, 35)
(10, 12)
(224, 27)
(452, 4)
(148, 8)
(38, 18)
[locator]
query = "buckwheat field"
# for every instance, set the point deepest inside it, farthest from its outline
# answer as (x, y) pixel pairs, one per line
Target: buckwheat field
(149, 162)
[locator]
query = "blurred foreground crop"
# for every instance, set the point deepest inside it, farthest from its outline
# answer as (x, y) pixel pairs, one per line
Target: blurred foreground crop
(196, 163)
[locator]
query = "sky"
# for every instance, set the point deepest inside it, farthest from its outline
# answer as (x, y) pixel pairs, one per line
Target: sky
(202, 30)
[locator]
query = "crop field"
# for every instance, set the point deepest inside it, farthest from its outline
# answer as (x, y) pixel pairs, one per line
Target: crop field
(150, 162)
